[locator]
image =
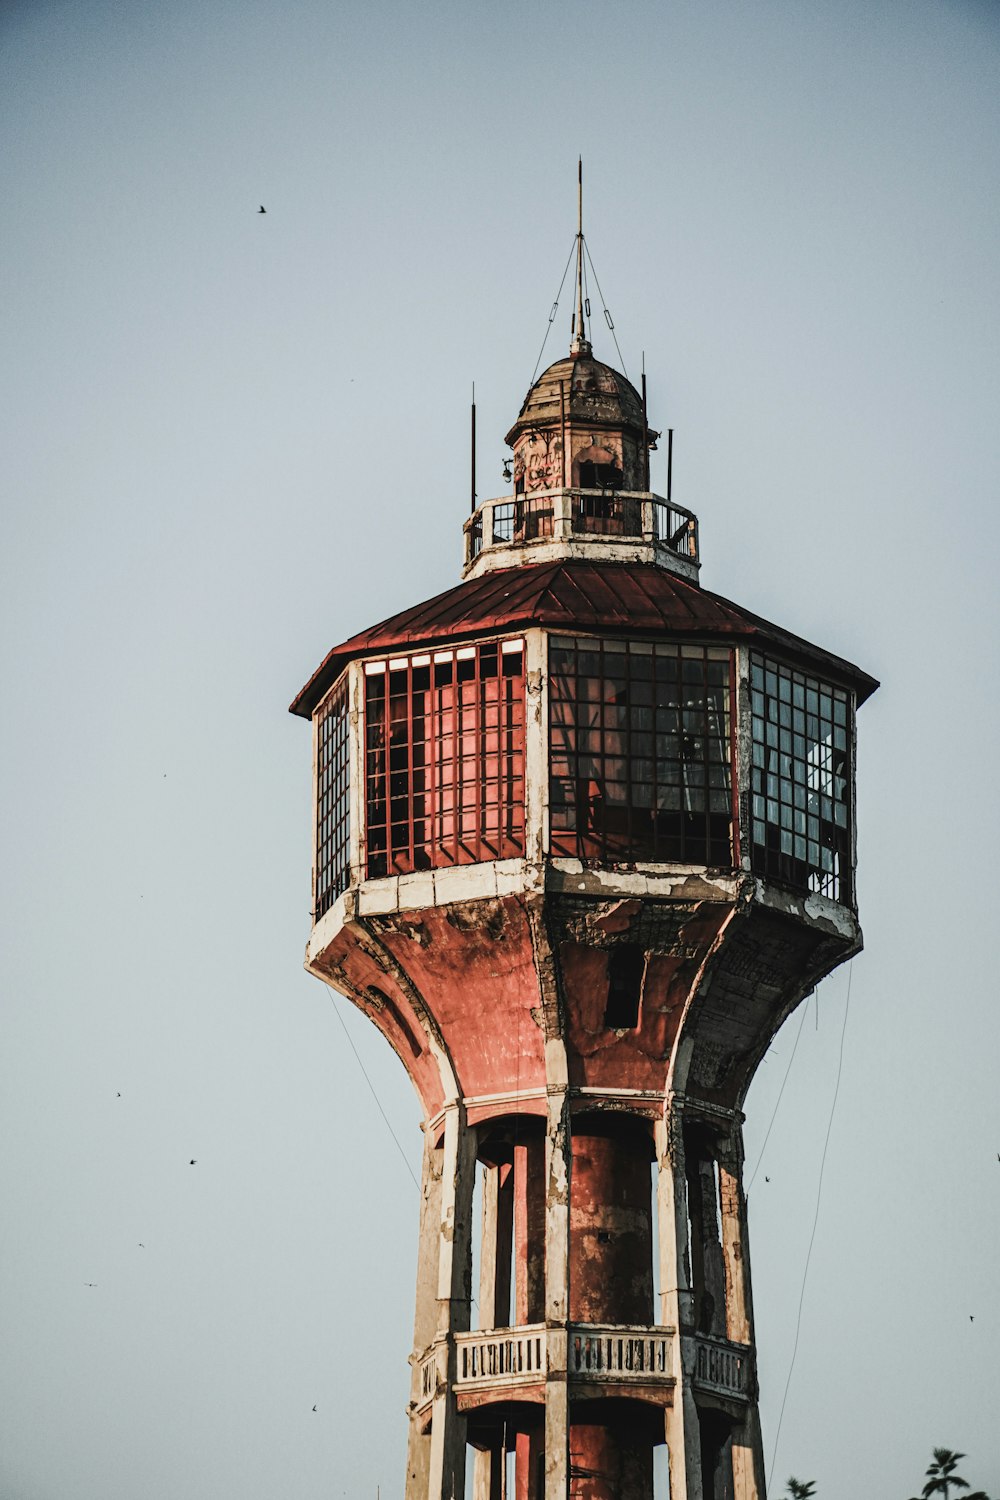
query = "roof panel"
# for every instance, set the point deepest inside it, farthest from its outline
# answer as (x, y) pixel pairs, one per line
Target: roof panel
(579, 596)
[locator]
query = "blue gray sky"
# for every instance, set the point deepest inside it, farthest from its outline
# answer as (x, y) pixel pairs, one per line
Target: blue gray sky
(232, 439)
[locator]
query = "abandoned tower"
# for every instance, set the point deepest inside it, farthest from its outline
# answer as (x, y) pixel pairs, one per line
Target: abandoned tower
(584, 837)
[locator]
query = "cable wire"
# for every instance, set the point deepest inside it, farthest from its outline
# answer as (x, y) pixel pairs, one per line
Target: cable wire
(375, 1096)
(607, 315)
(777, 1101)
(812, 1237)
(552, 314)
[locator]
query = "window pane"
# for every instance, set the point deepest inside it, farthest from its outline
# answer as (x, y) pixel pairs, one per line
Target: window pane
(812, 760)
(620, 791)
(333, 772)
(455, 765)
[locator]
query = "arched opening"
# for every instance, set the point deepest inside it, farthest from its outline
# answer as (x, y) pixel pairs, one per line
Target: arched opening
(505, 1453)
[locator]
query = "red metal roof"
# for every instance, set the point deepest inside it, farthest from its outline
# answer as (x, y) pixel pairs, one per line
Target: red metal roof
(577, 596)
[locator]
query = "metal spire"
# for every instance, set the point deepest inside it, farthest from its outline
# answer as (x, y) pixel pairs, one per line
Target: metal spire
(580, 344)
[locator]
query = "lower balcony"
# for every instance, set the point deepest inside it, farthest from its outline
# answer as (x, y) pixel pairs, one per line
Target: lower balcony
(511, 1364)
(722, 1368)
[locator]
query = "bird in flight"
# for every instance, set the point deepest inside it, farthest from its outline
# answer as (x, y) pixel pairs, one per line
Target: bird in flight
(141, 1245)
(262, 209)
(972, 1318)
(314, 1408)
(766, 1178)
(90, 1283)
(193, 1162)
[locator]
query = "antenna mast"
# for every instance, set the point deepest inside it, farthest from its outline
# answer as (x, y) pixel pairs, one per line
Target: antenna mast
(473, 486)
(579, 331)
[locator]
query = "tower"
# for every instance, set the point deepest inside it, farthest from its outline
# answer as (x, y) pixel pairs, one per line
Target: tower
(584, 838)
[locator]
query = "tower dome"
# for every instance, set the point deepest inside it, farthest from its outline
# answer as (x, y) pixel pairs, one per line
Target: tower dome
(582, 426)
(583, 389)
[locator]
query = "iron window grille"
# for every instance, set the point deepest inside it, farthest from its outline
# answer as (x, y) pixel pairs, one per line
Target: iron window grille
(444, 758)
(333, 780)
(801, 814)
(640, 750)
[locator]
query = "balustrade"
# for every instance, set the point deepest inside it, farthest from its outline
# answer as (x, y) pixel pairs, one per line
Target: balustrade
(565, 514)
(723, 1367)
(504, 1358)
(509, 1355)
(618, 1353)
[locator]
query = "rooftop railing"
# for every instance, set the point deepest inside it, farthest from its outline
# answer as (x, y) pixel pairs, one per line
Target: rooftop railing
(581, 515)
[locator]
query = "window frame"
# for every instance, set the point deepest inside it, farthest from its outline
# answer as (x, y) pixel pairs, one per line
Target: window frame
(690, 650)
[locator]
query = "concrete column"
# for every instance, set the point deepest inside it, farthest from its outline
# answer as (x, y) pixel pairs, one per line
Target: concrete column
(681, 1424)
(485, 1460)
(446, 1466)
(611, 1258)
(504, 1246)
(708, 1275)
(527, 1451)
(426, 1319)
(486, 1476)
(557, 1178)
(747, 1448)
(529, 1231)
(488, 1250)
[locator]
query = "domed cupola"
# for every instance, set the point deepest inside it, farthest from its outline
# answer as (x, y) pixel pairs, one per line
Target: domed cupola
(581, 426)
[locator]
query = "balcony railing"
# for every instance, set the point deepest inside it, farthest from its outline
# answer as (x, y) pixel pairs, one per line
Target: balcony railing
(509, 1355)
(563, 515)
(723, 1368)
(618, 1353)
(503, 1359)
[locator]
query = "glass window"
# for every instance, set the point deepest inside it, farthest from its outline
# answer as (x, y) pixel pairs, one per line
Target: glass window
(444, 747)
(801, 830)
(333, 774)
(639, 751)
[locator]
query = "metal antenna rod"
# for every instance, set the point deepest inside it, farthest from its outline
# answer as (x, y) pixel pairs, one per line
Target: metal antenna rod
(645, 429)
(580, 332)
(473, 446)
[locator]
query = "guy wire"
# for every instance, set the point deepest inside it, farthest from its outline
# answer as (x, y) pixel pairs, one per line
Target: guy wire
(774, 1116)
(812, 1237)
(607, 315)
(552, 314)
(375, 1096)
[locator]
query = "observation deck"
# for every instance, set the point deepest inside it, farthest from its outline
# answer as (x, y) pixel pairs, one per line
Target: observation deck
(632, 526)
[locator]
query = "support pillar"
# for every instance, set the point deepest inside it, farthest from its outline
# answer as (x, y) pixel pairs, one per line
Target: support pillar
(681, 1425)
(557, 1177)
(747, 1447)
(446, 1466)
(529, 1231)
(426, 1319)
(528, 1452)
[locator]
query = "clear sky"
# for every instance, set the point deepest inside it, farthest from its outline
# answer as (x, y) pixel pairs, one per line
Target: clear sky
(232, 439)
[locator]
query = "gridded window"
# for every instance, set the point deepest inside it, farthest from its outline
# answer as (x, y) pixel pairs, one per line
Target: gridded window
(640, 751)
(444, 752)
(801, 780)
(333, 777)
